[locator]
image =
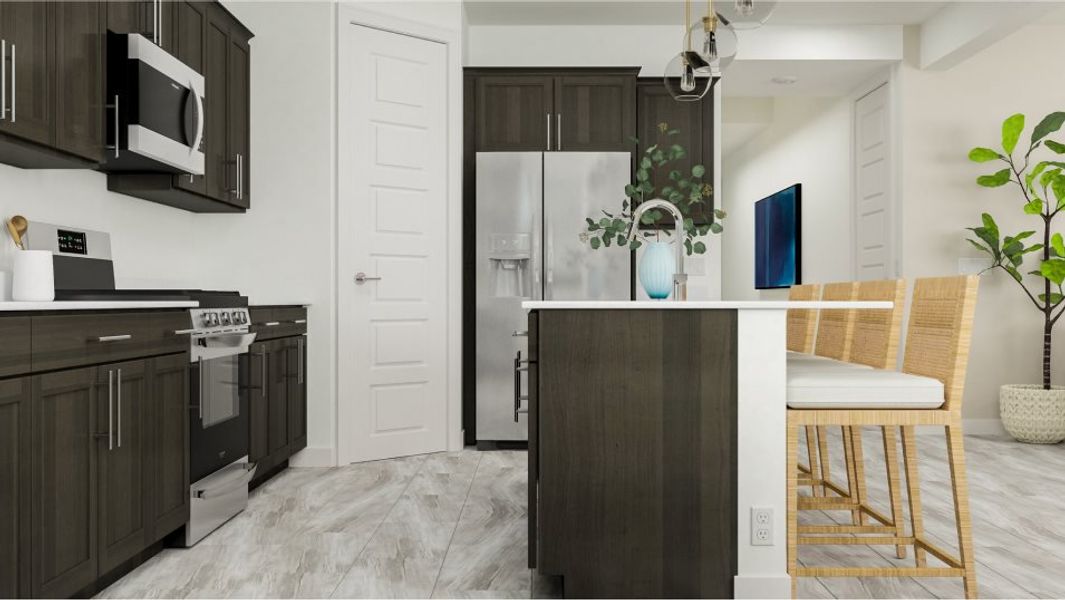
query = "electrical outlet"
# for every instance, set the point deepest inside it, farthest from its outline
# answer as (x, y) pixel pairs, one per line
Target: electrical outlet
(761, 526)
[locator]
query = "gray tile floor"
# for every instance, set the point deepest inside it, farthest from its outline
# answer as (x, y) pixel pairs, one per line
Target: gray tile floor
(454, 525)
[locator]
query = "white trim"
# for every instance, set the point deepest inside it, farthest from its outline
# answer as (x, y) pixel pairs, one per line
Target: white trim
(319, 456)
(761, 586)
(348, 14)
(884, 78)
(984, 427)
(742, 305)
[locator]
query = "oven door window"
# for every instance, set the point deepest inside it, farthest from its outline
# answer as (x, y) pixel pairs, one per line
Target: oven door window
(220, 389)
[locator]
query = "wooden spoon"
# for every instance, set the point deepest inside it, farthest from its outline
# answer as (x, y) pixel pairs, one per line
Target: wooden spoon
(17, 226)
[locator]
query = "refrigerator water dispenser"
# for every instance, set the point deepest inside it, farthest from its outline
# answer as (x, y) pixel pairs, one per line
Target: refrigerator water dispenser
(510, 272)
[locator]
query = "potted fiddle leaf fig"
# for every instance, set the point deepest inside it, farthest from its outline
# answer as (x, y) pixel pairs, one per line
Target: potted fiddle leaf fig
(1030, 413)
(660, 174)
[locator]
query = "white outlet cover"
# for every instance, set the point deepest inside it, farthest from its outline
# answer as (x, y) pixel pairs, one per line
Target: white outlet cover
(761, 526)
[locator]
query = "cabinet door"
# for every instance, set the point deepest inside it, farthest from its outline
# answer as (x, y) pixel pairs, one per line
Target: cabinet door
(258, 407)
(188, 26)
(14, 488)
(168, 464)
(297, 394)
(277, 377)
(123, 399)
(29, 54)
(693, 120)
(79, 59)
(216, 65)
(64, 482)
(595, 113)
(515, 113)
(239, 115)
(140, 16)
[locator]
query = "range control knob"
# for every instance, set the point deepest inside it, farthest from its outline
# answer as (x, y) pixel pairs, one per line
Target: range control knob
(225, 318)
(240, 318)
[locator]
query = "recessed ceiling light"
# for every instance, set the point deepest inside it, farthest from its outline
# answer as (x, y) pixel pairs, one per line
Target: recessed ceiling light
(785, 80)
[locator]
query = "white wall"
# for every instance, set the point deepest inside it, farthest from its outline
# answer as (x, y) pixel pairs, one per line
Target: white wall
(944, 115)
(807, 142)
(280, 251)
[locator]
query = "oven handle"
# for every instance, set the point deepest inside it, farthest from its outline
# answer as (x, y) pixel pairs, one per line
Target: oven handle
(199, 119)
(231, 484)
(200, 371)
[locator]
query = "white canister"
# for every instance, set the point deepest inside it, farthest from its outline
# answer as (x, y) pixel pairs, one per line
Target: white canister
(34, 279)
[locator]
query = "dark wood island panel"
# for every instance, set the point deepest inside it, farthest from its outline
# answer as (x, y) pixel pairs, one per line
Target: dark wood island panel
(633, 451)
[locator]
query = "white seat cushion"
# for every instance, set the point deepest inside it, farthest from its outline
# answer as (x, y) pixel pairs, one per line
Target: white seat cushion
(825, 364)
(862, 389)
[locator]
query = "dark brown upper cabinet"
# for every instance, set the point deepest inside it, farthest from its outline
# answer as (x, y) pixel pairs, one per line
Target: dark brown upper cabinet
(694, 122)
(79, 59)
(575, 110)
(238, 120)
(595, 113)
(514, 113)
(147, 17)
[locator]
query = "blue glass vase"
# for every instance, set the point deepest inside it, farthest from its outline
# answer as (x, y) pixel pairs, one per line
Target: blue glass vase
(657, 266)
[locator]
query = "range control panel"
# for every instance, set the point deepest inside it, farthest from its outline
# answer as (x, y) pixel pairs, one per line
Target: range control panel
(234, 319)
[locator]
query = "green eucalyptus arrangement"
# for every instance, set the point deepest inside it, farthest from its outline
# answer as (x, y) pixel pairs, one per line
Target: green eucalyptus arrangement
(657, 176)
(1042, 192)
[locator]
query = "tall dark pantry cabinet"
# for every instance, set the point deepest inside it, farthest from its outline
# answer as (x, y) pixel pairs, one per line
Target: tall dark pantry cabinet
(554, 109)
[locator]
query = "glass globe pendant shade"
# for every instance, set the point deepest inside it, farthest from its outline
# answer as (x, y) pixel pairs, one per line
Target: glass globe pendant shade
(746, 14)
(717, 48)
(684, 82)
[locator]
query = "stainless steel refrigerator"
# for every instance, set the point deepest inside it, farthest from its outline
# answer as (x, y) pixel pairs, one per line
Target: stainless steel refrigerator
(531, 210)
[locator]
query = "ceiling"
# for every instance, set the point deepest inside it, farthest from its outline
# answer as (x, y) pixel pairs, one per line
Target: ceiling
(669, 12)
(813, 77)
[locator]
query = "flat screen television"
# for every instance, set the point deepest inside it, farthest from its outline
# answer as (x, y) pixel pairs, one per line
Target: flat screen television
(778, 239)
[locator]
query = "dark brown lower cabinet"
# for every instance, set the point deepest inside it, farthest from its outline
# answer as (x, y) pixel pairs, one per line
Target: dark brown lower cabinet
(123, 401)
(277, 402)
(65, 438)
(168, 422)
(15, 487)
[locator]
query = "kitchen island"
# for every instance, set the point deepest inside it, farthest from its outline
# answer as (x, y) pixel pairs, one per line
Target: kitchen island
(655, 429)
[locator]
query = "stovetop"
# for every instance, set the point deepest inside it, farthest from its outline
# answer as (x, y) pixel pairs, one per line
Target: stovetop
(206, 298)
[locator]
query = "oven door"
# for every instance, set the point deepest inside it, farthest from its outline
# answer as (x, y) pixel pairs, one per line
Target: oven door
(219, 421)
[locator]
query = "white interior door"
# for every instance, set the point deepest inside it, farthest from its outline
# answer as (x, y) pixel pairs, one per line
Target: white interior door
(392, 213)
(874, 247)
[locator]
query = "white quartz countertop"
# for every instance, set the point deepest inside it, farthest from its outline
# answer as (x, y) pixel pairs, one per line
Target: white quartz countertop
(697, 305)
(94, 305)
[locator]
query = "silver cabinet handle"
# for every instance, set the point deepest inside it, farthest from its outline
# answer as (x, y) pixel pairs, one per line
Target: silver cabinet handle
(114, 107)
(520, 333)
(558, 123)
(271, 323)
(361, 278)
(159, 22)
(299, 321)
(200, 385)
(198, 137)
(119, 426)
(120, 338)
(110, 410)
(240, 177)
(549, 131)
(3, 80)
(299, 357)
(14, 80)
(262, 372)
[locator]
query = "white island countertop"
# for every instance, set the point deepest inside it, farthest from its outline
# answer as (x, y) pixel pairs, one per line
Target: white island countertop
(94, 305)
(698, 305)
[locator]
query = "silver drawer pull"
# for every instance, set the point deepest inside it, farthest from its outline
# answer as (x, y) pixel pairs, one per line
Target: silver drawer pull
(184, 331)
(271, 324)
(299, 321)
(114, 338)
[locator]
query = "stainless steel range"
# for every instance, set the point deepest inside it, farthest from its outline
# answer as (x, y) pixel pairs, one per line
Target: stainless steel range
(219, 337)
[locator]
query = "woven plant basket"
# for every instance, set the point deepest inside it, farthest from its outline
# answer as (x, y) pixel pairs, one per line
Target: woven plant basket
(1033, 415)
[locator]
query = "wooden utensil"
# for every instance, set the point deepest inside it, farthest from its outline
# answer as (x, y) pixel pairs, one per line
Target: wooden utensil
(17, 226)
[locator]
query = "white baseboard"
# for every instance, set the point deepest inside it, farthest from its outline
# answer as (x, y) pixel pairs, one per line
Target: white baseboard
(761, 586)
(311, 456)
(984, 427)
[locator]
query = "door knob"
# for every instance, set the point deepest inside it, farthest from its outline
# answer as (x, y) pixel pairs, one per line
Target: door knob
(361, 278)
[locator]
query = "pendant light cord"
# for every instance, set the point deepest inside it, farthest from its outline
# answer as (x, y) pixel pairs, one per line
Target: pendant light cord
(687, 25)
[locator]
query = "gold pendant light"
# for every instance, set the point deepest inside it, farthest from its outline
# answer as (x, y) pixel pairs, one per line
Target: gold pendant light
(689, 76)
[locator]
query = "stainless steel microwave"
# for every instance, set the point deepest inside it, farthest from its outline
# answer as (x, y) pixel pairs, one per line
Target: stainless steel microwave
(155, 117)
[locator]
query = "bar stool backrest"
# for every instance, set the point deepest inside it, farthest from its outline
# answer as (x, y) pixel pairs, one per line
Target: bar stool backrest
(940, 332)
(876, 332)
(835, 327)
(802, 321)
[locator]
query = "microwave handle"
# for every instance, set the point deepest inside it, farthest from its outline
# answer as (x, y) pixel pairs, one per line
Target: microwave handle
(199, 119)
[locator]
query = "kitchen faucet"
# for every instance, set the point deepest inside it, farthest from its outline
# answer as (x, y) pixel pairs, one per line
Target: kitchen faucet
(680, 278)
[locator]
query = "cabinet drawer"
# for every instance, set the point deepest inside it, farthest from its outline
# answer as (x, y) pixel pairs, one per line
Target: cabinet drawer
(279, 321)
(15, 347)
(64, 341)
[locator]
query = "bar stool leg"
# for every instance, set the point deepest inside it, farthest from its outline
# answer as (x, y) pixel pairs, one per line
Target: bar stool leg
(913, 491)
(793, 505)
(848, 463)
(960, 487)
(817, 488)
(858, 454)
(891, 459)
(822, 454)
